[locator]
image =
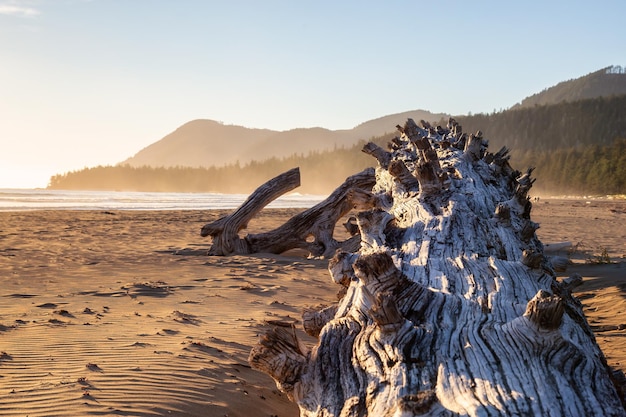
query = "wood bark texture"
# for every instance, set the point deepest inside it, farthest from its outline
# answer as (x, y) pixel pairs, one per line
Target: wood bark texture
(451, 306)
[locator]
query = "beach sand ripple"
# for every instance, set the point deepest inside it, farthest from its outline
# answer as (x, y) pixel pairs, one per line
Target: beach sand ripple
(120, 313)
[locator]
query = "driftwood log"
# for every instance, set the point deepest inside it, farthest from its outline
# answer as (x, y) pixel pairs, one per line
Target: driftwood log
(311, 229)
(451, 306)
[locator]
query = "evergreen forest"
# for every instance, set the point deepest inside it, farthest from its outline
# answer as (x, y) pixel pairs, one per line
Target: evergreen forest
(576, 147)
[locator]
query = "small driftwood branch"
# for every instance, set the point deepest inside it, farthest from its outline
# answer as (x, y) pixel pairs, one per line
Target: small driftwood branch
(382, 156)
(401, 173)
(473, 146)
(545, 310)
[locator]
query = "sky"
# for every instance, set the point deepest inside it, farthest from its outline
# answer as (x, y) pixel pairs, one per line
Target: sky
(92, 82)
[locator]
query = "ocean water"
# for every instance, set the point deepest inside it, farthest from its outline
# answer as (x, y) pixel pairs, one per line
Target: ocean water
(40, 199)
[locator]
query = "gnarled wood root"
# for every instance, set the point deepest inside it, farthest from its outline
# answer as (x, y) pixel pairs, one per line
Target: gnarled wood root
(280, 354)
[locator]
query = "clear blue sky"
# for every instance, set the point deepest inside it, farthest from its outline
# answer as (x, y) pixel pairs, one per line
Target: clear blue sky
(92, 82)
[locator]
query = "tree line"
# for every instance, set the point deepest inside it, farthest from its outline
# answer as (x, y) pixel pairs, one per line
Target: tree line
(576, 147)
(590, 170)
(597, 121)
(320, 172)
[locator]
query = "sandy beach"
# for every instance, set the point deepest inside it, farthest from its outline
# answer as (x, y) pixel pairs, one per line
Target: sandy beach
(121, 313)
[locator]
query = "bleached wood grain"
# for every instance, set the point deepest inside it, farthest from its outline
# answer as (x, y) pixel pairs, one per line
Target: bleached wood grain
(451, 306)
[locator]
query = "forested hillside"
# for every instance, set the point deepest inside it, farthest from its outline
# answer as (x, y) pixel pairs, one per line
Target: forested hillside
(609, 81)
(588, 170)
(576, 147)
(206, 143)
(321, 172)
(597, 121)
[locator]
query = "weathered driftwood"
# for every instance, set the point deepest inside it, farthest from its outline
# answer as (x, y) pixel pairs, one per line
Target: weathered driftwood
(225, 231)
(311, 229)
(450, 307)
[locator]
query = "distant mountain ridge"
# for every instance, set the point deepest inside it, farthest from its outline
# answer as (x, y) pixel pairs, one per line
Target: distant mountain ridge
(577, 145)
(609, 81)
(204, 143)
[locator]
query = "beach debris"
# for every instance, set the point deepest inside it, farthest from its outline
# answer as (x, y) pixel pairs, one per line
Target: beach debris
(557, 247)
(93, 367)
(311, 230)
(450, 304)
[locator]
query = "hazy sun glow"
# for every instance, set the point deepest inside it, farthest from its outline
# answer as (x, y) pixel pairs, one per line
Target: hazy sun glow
(23, 176)
(87, 83)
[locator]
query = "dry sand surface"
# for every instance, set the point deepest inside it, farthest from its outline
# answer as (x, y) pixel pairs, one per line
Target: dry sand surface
(597, 231)
(120, 313)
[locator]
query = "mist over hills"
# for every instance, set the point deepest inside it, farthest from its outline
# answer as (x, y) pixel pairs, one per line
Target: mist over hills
(200, 143)
(204, 143)
(578, 146)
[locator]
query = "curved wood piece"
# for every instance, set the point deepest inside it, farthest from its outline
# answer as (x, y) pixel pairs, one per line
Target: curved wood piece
(314, 320)
(382, 156)
(225, 230)
(317, 222)
(311, 229)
